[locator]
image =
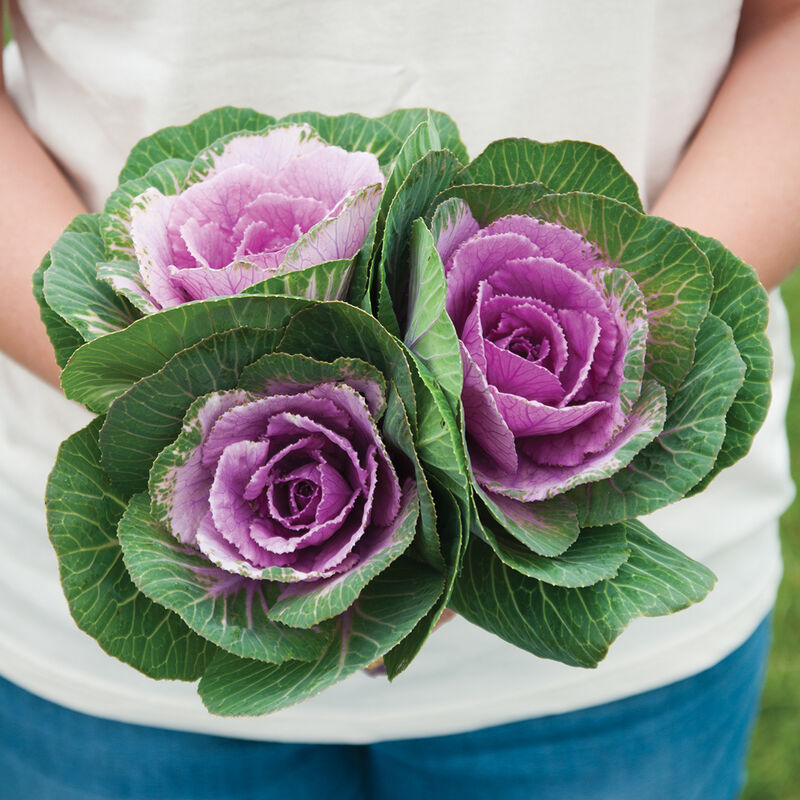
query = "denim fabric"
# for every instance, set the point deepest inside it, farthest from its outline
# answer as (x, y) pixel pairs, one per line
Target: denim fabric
(685, 741)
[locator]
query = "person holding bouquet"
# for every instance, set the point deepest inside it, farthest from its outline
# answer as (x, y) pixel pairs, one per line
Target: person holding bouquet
(698, 104)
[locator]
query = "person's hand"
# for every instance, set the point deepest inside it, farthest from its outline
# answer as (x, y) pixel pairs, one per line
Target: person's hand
(36, 204)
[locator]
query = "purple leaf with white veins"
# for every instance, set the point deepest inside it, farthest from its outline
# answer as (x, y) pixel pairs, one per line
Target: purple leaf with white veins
(269, 152)
(453, 224)
(472, 334)
(329, 174)
(485, 423)
(336, 237)
(273, 222)
(582, 332)
(534, 481)
(221, 199)
(549, 282)
(524, 326)
(561, 244)
(248, 420)
(207, 244)
(179, 482)
(511, 373)
(202, 283)
(531, 418)
(265, 205)
(476, 260)
(232, 514)
(151, 242)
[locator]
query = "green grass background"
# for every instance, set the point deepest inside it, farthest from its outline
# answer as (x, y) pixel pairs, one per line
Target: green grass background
(774, 762)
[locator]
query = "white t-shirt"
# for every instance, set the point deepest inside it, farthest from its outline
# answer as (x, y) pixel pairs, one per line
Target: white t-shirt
(633, 75)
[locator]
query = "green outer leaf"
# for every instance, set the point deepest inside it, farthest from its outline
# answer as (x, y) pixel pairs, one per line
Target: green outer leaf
(688, 446)
(169, 177)
(672, 273)
(438, 438)
(387, 610)
(384, 310)
(452, 531)
(352, 132)
(596, 555)
(119, 275)
(421, 140)
(305, 605)
(622, 296)
(397, 431)
(226, 609)
(64, 338)
(103, 369)
(82, 514)
(148, 417)
(327, 331)
(489, 203)
(430, 334)
(327, 281)
(741, 302)
(185, 141)
(273, 372)
(427, 178)
(73, 290)
(577, 626)
(547, 528)
(565, 166)
(358, 294)
(403, 121)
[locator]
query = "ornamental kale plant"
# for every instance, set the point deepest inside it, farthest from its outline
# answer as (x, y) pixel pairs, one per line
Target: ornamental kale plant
(235, 200)
(253, 505)
(345, 379)
(251, 508)
(610, 363)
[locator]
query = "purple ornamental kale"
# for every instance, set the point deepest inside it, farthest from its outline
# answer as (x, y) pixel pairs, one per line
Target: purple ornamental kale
(288, 487)
(552, 345)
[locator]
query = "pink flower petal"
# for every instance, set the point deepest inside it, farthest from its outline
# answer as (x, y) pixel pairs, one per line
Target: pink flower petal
(207, 244)
(269, 152)
(150, 213)
(330, 174)
(337, 237)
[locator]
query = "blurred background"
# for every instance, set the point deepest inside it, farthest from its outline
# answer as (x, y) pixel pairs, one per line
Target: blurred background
(773, 766)
(774, 762)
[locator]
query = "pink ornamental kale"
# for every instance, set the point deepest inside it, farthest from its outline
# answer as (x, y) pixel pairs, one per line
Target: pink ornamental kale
(262, 205)
(553, 345)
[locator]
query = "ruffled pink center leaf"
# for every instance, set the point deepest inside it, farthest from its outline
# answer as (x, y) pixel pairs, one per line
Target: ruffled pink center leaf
(259, 198)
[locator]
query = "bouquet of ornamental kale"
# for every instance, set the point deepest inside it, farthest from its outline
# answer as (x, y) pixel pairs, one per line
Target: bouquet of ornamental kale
(346, 378)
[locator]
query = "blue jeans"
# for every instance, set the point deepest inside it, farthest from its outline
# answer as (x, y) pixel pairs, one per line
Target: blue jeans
(685, 741)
